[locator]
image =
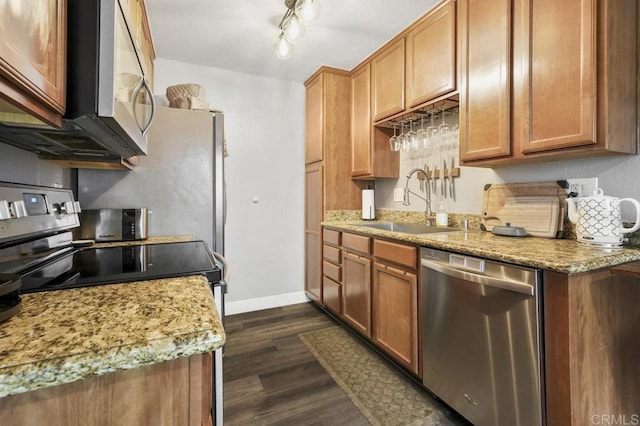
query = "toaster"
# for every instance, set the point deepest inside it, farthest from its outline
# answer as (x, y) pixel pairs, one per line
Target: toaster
(114, 224)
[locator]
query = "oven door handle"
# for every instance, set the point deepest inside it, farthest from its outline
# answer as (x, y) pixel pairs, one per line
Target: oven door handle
(516, 286)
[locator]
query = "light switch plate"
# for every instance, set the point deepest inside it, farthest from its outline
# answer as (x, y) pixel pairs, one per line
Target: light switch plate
(398, 194)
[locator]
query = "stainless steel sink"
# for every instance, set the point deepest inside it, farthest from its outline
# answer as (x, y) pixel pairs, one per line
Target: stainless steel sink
(408, 228)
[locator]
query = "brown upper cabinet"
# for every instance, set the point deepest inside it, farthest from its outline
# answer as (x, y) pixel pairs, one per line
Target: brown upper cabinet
(570, 90)
(485, 78)
(33, 60)
(370, 153)
(314, 119)
(431, 55)
(387, 85)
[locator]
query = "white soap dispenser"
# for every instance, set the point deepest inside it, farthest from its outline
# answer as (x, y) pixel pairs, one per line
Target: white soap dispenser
(442, 218)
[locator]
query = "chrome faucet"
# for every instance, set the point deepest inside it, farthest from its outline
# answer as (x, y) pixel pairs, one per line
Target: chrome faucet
(428, 214)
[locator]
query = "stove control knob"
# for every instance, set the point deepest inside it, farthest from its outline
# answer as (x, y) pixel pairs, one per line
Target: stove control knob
(69, 207)
(18, 209)
(5, 213)
(76, 206)
(66, 207)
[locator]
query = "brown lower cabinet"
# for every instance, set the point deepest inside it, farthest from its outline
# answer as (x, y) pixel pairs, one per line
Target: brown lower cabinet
(395, 314)
(332, 270)
(372, 285)
(356, 292)
(172, 393)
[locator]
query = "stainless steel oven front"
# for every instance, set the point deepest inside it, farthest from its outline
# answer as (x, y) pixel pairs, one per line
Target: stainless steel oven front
(482, 347)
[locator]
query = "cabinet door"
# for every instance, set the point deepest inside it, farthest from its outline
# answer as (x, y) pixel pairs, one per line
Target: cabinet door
(33, 58)
(314, 119)
(332, 295)
(361, 122)
(387, 73)
(395, 314)
(313, 240)
(356, 292)
(431, 55)
(555, 71)
(485, 82)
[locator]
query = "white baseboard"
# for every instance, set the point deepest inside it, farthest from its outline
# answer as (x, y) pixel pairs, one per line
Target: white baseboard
(257, 304)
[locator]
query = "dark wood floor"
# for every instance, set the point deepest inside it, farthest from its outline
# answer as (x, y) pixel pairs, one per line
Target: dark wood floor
(271, 378)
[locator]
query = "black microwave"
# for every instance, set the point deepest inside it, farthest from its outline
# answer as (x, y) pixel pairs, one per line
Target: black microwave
(110, 103)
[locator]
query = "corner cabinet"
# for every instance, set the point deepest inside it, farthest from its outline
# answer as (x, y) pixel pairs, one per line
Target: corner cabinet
(571, 91)
(328, 184)
(33, 59)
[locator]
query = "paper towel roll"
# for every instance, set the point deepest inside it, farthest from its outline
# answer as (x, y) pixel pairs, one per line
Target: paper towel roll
(368, 204)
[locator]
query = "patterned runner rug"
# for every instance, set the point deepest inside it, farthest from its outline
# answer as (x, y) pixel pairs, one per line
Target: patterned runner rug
(384, 395)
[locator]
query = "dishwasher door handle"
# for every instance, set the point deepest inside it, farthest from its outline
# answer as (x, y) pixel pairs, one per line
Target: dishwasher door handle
(518, 287)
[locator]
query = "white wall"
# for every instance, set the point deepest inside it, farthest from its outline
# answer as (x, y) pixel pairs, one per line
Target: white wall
(17, 165)
(264, 128)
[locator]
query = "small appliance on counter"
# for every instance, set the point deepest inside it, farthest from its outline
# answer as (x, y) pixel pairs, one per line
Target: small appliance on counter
(368, 204)
(598, 219)
(114, 224)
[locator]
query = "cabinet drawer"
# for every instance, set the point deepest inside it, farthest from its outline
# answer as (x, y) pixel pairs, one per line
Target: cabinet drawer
(398, 253)
(332, 271)
(332, 295)
(332, 254)
(356, 243)
(331, 237)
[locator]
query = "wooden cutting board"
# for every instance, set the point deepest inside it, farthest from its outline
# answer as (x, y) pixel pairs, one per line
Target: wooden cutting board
(537, 215)
(497, 194)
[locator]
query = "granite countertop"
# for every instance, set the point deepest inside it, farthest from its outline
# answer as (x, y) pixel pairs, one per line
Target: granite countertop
(64, 336)
(566, 256)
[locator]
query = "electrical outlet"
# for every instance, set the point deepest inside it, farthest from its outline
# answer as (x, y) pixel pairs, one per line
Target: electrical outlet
(583, 187)
(398, 194)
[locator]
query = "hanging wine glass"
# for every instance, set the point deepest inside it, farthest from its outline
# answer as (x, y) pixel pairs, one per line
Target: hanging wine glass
(432, 130)
(393, 140)
(412, 137)
(443, 128)
(402, 138)
(422, 134)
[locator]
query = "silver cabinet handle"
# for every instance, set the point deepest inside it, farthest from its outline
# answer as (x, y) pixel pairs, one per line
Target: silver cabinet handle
(153, 106)
(136, 93)
(480, 279)
(143, 84)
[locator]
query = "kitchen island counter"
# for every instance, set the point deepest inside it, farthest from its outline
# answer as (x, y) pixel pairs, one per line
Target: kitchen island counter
(559, 255)
(64, 336)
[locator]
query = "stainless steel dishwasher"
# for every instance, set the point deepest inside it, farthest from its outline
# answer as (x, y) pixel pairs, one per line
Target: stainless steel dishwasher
(482, 347)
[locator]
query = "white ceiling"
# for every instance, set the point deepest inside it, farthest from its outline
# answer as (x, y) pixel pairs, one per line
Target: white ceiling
(239, 35)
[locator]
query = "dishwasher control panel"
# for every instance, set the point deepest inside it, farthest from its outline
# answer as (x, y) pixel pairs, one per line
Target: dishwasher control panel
(470, 263)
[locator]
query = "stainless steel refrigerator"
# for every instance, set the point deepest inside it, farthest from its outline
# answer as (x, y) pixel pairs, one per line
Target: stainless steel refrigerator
(181, 181)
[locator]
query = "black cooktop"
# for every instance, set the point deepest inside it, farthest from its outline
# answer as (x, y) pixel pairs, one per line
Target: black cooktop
(98, 266)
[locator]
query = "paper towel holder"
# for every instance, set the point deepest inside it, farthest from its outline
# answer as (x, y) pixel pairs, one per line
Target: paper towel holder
(368, 204)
